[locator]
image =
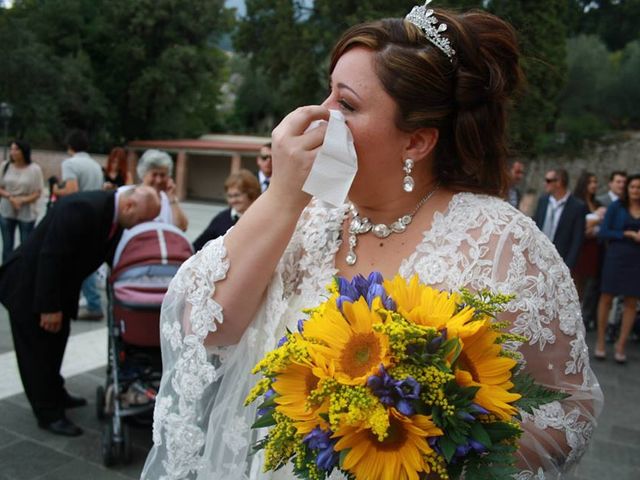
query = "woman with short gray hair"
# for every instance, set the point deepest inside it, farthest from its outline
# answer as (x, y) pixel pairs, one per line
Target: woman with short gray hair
(154, 169)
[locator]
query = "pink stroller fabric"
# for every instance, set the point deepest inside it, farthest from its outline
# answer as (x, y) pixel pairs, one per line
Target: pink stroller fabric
(146, 259)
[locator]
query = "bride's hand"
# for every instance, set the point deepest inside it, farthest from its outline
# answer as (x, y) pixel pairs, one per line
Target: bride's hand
(293, 152)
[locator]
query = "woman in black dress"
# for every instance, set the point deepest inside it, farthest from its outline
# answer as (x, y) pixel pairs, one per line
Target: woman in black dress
(621, 268)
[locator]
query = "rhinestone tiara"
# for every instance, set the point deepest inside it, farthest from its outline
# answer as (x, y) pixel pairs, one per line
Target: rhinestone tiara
(424, 19)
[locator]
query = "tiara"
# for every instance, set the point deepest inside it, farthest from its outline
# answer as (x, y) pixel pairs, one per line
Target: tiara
(428, 23)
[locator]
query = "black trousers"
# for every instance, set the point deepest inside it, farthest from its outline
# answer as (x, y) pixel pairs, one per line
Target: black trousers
(39, 355)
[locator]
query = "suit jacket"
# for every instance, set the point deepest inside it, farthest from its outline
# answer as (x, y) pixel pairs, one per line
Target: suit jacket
(604, 199)
(71, 241)
(218, 227)
(571, 226)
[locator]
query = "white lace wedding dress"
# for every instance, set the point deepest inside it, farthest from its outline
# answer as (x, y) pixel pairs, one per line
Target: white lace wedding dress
(479, 242)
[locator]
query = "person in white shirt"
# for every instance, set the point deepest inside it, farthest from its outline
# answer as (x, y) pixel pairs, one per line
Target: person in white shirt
(80, 172)
(561, 216)
(264, 166)
(617, 181)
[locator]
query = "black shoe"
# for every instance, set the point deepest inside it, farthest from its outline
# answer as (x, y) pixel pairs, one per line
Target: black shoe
(73, 402)
(63, 427)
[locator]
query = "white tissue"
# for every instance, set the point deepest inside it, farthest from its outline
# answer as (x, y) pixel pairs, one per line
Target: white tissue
(335, 165)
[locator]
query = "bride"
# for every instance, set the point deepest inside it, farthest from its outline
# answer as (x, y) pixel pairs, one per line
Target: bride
(420, 103)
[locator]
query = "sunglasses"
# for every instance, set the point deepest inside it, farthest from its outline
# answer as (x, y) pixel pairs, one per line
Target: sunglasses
(265, 157)
(550, 180)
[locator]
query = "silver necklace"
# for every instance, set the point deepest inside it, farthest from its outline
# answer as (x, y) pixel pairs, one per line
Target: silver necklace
(361, 225)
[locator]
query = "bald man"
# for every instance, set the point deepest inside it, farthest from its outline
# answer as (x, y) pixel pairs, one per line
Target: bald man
(40, 286)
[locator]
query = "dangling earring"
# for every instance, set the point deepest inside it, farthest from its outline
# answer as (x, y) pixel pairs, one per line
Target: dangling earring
(407, 181)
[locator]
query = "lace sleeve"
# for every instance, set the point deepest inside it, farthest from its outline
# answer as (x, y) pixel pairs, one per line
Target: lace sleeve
(201, 428)
(189, 313)
(547, 313)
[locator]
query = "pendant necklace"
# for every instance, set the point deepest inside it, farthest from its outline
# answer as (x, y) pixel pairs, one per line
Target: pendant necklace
(361, 225)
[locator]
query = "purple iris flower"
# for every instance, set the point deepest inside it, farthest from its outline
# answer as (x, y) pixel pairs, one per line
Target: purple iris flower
(369, 288)
(267, 395)
(436, 342)
(301, 326)
(395, 393)
(471, 445)
(320, 440)
(282, 341)
(478, 409)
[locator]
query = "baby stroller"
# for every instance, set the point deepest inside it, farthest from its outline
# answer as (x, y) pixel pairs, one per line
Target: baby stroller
(145, 261)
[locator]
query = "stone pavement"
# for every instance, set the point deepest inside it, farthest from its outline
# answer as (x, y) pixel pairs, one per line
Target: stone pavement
(28, 453)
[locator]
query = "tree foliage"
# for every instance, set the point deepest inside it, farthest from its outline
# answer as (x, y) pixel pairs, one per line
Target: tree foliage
(614, 21)
(121, 69)
(541, 35)
(288, 44)
(602, 90)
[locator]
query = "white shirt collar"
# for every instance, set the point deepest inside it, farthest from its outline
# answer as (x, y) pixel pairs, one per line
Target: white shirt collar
(557, 203)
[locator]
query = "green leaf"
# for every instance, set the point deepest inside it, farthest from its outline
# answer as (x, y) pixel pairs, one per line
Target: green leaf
(480, 434)
(271, 402)
(448, 448)
(497, 464)
(499, 431)
(264, 421)
(533, 395)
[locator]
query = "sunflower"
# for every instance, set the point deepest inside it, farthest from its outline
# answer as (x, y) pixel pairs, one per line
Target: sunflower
(348, 342)
(399, 456)
(481, 365)
(294, 385)
(429, 307)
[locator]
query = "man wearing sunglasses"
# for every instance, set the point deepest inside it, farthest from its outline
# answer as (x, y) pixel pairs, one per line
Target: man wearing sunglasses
(264, 164)
(561, 216)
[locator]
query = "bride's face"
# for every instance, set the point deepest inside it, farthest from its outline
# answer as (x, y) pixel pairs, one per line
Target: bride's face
(369, 112)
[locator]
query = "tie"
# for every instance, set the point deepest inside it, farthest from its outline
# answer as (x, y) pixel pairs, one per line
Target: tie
(550, 220)
(265, 184)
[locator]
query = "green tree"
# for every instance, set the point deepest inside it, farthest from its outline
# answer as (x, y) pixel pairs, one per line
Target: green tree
(122, 69)
(47, 91)
(541, 35)
(288, 44)
(615, 21)
(583, 100)
(623, 91)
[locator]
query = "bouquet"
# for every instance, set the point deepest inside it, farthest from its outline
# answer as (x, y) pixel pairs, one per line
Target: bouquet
(389, 379)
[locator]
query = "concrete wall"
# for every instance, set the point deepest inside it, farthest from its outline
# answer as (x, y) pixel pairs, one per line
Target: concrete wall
(206, 173)
(50, 161)
(600, 158)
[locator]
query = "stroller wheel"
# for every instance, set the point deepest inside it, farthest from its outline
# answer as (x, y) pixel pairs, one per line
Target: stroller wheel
(100, 403)
(126, 451)
(108, 446)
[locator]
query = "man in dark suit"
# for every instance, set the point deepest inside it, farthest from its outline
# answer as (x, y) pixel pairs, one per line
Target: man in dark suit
(617, 182)
(561, 216)
(40, 286)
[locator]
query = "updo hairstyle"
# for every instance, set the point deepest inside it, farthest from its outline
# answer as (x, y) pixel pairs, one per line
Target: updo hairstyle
(466, 97)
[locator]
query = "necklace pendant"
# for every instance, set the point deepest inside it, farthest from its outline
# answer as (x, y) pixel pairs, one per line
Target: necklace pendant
(398, 227)
(381, 230)
(351, 258)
